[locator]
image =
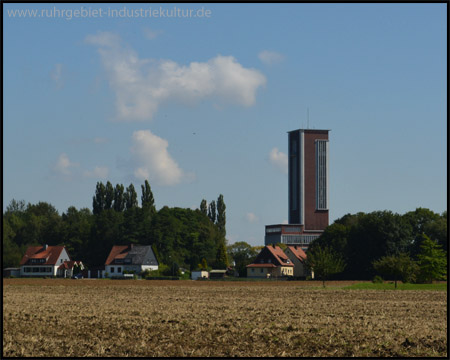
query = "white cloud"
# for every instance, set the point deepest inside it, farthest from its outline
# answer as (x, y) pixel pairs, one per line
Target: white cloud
(56, 75)
(251, 217)
(64, 166)
(100, 172)
(142, 85)
(151, 34)
(270, 57)
(153, 161)
(279, 159)
(100, 140)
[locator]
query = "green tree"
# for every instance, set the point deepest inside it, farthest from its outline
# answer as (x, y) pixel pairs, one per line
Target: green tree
(432, 261)
(221, 216)
(221, 256)
(99, 199)
(130, 197)
(324, 262)
(242, 254)
(77, 227)
(204, 207)
(400, 266)
(147, 199)
(119, 200)
(11, 253)
(203, 265)
(212, 211)
(109, 195)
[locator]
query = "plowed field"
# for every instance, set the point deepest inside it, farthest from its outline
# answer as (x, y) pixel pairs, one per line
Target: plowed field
(76, 318)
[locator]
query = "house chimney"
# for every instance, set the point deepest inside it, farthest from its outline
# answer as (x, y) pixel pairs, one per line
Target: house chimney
(273, 245)
(45, 247)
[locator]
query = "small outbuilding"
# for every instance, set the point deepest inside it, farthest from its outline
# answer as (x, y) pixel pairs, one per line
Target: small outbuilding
(201, 274)
(8, 272)
(217, 274)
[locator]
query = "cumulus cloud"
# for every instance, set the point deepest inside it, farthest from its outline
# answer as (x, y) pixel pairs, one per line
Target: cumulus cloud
(251, 217)
(142, 85)
(99, 172)
(153, 161)
(279, 159)
(64, 166)
(270, 57)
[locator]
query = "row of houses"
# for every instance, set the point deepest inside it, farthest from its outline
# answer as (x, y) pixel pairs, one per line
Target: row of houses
(55, 261)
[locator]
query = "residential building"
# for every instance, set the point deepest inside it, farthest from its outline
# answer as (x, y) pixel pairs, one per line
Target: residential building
(271, 262)
(308, 182)
(130, 258)
(44, 261)
(298, 258)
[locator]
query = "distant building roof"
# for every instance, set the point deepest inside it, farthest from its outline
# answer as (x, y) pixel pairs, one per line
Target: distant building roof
(298, 252)
(135, 254)
(276, 253)
(49, 253)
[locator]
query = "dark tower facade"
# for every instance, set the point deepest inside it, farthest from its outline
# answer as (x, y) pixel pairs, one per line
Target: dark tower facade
(308, 178)
(308, 161)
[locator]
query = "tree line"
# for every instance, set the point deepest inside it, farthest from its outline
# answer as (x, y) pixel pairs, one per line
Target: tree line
(409, 247)
(179, 237)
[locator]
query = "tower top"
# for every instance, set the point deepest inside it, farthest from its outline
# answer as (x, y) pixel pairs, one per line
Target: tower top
(319, 131)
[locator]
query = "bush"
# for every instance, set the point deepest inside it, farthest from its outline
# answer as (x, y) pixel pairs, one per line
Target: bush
(377, 279)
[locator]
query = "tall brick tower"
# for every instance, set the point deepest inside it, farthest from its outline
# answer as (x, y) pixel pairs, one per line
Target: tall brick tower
(308, 189)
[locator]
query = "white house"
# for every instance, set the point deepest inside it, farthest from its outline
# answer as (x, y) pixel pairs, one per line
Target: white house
(44, 261)
(130, 258)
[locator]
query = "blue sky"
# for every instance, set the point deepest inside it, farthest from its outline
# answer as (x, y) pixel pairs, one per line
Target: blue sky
(201, 106)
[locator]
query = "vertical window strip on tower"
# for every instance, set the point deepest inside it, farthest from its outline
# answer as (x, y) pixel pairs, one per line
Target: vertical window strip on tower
(321, 175)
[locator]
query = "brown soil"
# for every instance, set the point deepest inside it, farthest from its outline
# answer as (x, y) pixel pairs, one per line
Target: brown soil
(75, 318)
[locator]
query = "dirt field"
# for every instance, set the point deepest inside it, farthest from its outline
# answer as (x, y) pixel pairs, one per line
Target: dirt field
(75, 318)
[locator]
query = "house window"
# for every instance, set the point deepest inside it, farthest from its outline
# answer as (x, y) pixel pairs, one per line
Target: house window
(119, 269)
(62, 261)
(253, 270)
(262, 270)
(35, 269)
(112, 269)
(27, 270)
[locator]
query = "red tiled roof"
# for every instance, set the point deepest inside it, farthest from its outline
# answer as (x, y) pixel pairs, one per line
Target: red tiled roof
(52, 254)
(117, 252)
(298, 252)
(279, 255)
